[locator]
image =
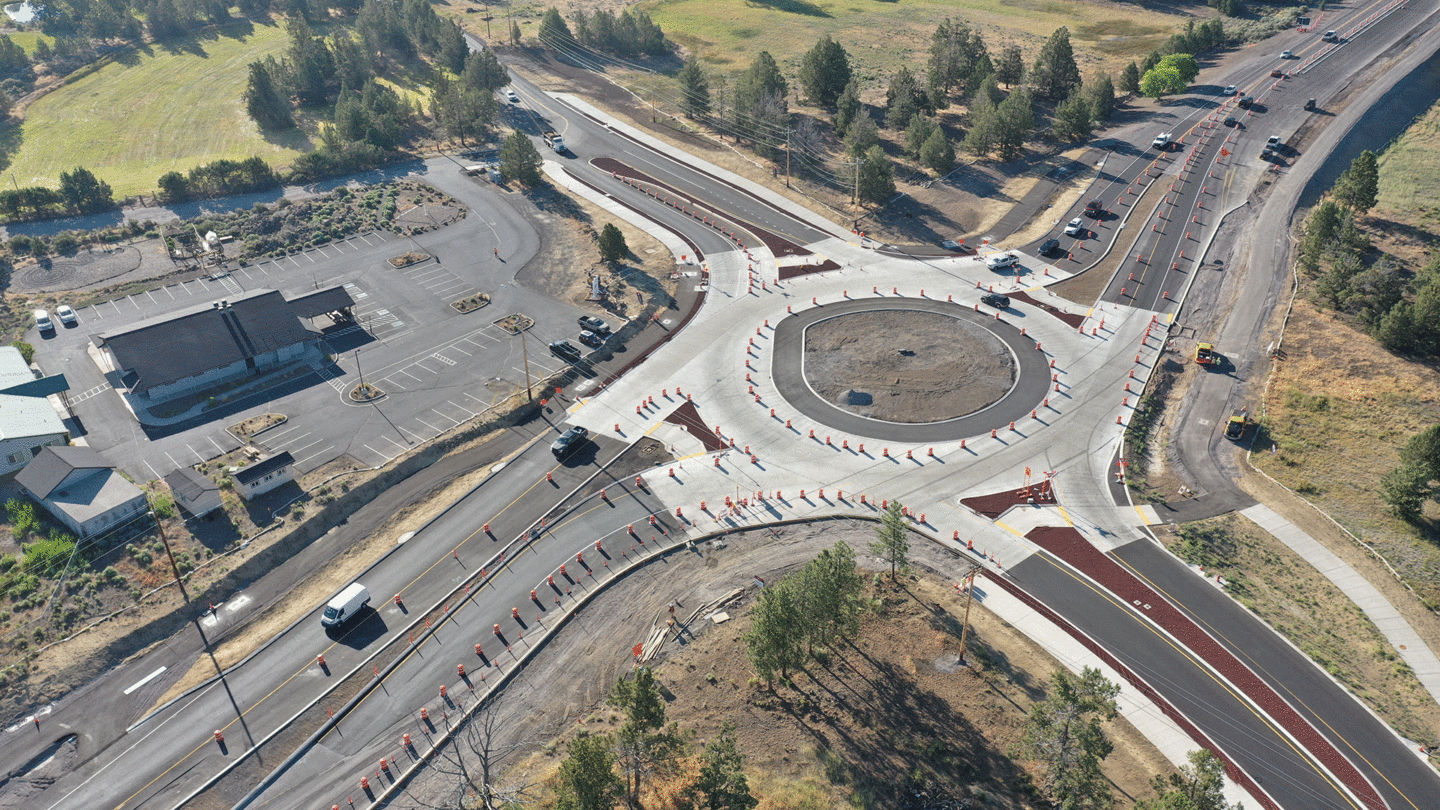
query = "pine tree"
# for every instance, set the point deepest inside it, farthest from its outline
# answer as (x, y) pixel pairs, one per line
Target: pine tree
(694, 89)
(1359, 186)
(514, 33)
(1055, 73)
(847, 108)
(918, 133)
(642, 742)
(892, 539)
(721, 783)
(1100, 95)
(861, 135)
(587, 775)
(1072, 118)
(554, 33)
(825, 72)
(761, 112)
(1063, 731)
(84, 192)
(612, 244)
(1130, 78)
(937, 153)
(264, 102)
(777, 626)
(1010, 71)
(1014, 119)
(520, 160)
(904, 99)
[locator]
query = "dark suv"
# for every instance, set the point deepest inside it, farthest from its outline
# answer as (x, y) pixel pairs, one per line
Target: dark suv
(1095, 209)
(565, 350)
(1247, 102)
(1049, 246)
(569, 441)
(995, 300)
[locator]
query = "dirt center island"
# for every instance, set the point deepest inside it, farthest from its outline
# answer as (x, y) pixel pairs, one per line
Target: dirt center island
(906, 366)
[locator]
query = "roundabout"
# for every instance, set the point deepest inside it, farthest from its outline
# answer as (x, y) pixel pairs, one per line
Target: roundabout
(907, 370)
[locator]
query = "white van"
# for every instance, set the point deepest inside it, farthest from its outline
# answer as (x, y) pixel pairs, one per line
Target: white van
(42, 320)
(345, 605)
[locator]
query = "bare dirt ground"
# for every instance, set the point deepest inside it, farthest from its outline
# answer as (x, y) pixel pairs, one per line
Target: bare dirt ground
(852, 731)
(929, 368)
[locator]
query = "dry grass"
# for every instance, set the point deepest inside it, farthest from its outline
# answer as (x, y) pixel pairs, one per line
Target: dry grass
(1338, 411)
(1299, 602)
(1410, 173)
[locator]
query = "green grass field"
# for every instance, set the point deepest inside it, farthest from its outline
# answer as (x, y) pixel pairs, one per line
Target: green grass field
(27, 39)
(132, 121)
(1410, 172)
(881, 36)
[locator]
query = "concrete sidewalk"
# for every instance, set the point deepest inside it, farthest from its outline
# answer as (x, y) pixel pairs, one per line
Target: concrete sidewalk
(1408, 643)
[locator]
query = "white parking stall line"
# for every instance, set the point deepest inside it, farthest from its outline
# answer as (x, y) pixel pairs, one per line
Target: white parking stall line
(402, 447)
(295, 451)
(378, 453)
(434, 429)
(389, 383)
(217, 445)
(327, 448)
(440, 285)
(277, 437)
(472, 396)
(203, 285)
(468, 413)
(308, 256)
(193, 450)
(172, 459)
(459, 289)
(362, 238)
(412, 376)
(246, 273)
(453, 420)
(116, 306)
(151, 296)
(166, 288)
(292, 261)
(456, 347)
(420, 276)
(132, 300)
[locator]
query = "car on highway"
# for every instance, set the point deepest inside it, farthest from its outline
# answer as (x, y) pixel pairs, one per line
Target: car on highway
(569, 441)
(1273, 143)
(1309, 104)
(1095, 209)
(1331, 36)
(1229, 90)
(1277, 73)
(1049, 246)
(594, 324)
(1246, 102)
(344, 605)
(995, 300)
(1076, 227)
(1000, 261)
(1162, 141)
(67, 315)
(565, 350)
(511, 96)
(1287, 54)
(591, 339)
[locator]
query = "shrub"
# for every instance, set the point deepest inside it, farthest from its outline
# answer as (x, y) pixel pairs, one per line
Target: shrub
(48, 556)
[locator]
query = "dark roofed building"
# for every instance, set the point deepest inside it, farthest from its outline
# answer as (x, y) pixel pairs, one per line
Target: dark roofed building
(322, 302)
(81, 489)
(193, 491)
(204, 345)
(264, 475)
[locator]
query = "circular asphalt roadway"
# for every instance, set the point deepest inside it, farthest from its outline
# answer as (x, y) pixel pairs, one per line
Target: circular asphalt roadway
(1031, 382)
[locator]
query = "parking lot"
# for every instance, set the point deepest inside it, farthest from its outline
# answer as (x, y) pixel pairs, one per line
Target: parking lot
(435, 366)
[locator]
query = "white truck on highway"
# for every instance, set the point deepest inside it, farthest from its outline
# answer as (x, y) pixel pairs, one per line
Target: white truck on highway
(553, 140)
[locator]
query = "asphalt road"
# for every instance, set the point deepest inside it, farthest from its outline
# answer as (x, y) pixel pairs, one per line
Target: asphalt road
(166, 764)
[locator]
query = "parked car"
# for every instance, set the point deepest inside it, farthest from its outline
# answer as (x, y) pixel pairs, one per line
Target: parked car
(66, 315)
(594, 324)
(1229, 90)
(1273, 143)
(43, 322)
(569, 441)
(1049, 246)
(995, 300)
(565, 350)
(999, 261)
(591, 339)
(1331, 36)
(1076, 227)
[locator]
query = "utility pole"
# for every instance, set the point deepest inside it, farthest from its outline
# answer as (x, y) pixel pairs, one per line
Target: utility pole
(360, 372)
(787, 157)
(965, 623)
(487, 23)
(173, 566)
